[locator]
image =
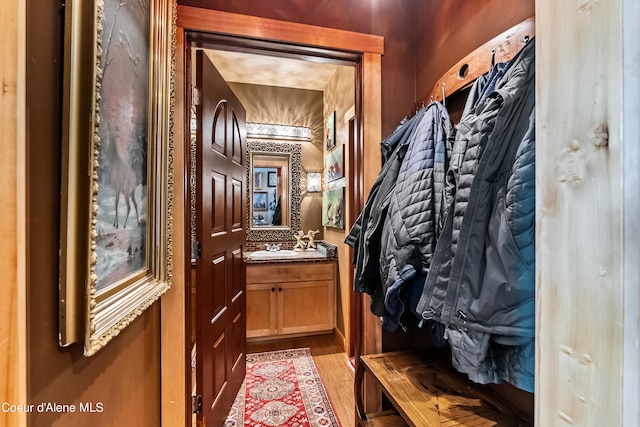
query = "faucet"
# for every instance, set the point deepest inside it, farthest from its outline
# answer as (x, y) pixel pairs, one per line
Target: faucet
(273, 248)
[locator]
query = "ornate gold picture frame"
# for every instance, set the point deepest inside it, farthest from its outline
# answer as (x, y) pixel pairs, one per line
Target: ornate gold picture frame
(116, 231)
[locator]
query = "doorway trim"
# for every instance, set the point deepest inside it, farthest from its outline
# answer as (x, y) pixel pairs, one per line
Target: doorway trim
(175, 357)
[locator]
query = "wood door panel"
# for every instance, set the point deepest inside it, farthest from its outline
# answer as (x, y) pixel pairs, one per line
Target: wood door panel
(236, 208)
(238, 267)
(217, 285)
(219, 359)
(218, 128)
(238, 328)
(236, 141)
(219, 205)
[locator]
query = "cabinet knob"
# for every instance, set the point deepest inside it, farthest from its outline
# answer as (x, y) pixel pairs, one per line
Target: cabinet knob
(273, 289)
(280, 289)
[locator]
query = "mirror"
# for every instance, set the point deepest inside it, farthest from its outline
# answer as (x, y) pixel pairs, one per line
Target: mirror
(273, 190)
(270, 192)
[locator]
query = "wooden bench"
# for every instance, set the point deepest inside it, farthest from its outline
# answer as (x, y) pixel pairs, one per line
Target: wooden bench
(425, 392)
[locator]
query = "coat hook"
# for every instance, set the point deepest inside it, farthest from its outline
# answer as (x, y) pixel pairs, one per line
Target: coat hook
(444, 102)
(493, 58)
(526, 39)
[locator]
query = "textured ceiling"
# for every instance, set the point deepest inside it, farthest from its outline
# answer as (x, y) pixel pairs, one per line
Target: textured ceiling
(237, 67)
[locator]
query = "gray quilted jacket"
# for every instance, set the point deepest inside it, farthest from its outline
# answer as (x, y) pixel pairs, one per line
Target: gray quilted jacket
(476, 116)
(481, 284)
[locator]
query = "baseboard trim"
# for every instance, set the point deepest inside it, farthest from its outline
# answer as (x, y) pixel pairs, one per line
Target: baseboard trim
(341, 341)
(285, 336)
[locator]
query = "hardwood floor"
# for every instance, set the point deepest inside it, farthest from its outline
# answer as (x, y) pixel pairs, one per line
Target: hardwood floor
(337, 376)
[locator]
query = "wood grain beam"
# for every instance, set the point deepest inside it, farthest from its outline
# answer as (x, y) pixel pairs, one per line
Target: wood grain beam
(196, 19)
(13, 219)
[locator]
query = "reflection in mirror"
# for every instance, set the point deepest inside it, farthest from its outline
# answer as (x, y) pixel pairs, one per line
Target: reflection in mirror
(270, 193)
(273, 193)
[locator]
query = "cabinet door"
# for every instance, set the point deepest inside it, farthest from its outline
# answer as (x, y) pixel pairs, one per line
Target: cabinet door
(261, 310)
(306, 307)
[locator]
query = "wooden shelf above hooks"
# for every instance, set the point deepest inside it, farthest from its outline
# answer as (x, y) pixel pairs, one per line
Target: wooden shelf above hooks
(499, 49)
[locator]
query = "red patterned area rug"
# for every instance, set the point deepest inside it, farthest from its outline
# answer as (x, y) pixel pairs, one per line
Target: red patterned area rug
(282, 388)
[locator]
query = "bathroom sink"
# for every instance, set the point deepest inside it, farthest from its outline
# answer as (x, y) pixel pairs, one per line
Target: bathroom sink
(284, 253)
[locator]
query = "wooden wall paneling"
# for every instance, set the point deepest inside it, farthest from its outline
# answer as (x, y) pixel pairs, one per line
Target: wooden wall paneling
(579, 212)
(371, 116)
(175, 343)
(13, 199)
(354, 207)
(198, 19)
(631, 225)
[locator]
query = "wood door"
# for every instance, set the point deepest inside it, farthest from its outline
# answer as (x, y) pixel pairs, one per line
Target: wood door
(221, 296)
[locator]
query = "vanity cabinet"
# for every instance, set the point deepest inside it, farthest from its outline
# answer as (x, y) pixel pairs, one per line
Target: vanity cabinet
(290, 299)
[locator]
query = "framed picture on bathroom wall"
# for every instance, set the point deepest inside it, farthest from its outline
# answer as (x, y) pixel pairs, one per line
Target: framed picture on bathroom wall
(333, 208)
(257, 180)
(272, 180)
(334, 164)
(330, 131)
(260, 201)
(115, 230)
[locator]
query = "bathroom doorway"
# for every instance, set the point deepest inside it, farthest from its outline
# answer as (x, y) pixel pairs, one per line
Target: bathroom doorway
(284, 89)
(193, 34)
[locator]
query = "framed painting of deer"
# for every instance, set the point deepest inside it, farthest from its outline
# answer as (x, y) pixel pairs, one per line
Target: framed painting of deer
(115, 241)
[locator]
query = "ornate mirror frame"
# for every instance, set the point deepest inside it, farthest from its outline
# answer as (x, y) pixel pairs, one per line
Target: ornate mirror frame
(294, 151)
